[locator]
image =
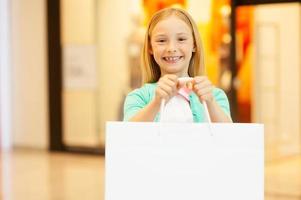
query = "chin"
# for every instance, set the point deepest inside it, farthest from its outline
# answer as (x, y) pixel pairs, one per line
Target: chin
(173, 70)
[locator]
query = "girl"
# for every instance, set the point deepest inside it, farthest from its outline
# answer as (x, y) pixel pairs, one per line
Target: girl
(172, 50)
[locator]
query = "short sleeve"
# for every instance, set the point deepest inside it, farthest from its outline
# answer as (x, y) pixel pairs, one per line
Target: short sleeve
(132, 104)
(222, 100)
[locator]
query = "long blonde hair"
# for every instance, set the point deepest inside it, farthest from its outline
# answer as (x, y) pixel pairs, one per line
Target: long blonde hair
(150, 69)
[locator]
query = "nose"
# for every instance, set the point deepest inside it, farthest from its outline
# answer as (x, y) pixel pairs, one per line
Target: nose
(171, 47)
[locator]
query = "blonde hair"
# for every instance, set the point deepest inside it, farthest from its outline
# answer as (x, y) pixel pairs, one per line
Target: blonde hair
(150, 69)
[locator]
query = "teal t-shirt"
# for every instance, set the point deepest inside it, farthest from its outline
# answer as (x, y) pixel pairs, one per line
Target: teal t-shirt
(139, 98)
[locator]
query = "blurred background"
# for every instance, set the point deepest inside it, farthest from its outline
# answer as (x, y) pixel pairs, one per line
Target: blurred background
(66, 66)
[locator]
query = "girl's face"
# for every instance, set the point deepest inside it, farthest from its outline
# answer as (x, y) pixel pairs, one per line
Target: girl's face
(172, 46)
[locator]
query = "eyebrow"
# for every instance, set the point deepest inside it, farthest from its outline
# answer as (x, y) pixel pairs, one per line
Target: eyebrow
(160, 35)
(163, 35)
(182, 33)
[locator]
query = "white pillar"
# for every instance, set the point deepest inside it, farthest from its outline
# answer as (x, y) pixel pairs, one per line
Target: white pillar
(5, 76)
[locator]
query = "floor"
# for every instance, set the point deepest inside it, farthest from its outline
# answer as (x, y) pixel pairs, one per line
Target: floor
(33, 174)
(283, 179)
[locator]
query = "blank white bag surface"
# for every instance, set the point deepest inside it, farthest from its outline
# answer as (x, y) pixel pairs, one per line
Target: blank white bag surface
(184, 161)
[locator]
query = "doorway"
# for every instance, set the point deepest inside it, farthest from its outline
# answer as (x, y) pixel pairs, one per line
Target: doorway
(268, 49)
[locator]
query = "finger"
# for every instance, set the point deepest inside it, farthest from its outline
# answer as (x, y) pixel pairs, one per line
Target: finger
(204, 86)
(169, 82)
(204, 92)
(206, 97)
(199, 79)
(172, 77)
(185, 83)
(163, 94)
(172, 85)
(181, 84)
(166, 88)
(189, 85)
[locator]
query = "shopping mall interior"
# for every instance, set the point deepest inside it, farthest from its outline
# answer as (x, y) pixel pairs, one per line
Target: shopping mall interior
(66, 67)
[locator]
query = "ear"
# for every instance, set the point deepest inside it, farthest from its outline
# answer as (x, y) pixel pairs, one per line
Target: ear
(194, 48)
(150, 50)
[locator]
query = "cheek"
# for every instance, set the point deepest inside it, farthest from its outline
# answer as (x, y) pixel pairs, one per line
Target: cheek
(189, 50)
(157, 57)
(189, 47)
(157, 51)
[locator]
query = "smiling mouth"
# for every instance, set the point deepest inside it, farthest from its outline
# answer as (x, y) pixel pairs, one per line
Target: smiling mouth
(172, 59)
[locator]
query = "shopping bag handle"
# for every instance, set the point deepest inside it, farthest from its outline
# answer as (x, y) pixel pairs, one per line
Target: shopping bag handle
(184, 80)
(162, 106)
(206, 113)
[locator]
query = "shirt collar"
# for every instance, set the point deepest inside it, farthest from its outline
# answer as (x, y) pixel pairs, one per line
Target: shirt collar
(184, 92)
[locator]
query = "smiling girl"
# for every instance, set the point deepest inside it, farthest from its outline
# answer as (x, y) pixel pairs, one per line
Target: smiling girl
(172, 50)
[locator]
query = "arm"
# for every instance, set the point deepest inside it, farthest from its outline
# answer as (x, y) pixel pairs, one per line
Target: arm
(141, 111)
(204, 90)
(216, 112)
(148, 113)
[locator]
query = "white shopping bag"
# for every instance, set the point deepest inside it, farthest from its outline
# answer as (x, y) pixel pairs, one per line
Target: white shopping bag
(184, 161)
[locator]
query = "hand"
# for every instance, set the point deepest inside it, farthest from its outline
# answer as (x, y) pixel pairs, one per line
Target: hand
(203, 88)
(185, 82)
(167, 87)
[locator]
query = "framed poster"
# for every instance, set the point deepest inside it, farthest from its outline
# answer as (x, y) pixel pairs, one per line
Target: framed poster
(79, 67)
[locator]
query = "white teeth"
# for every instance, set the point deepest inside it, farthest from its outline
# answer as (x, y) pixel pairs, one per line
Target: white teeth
(173, 58)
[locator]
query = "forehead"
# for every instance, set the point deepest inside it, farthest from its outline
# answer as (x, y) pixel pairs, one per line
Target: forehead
(171, 25)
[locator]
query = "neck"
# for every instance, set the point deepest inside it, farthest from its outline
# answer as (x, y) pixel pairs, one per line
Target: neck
(178, 74)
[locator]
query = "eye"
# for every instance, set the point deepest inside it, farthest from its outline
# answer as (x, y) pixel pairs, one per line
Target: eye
(161, 40)
(182, 39)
